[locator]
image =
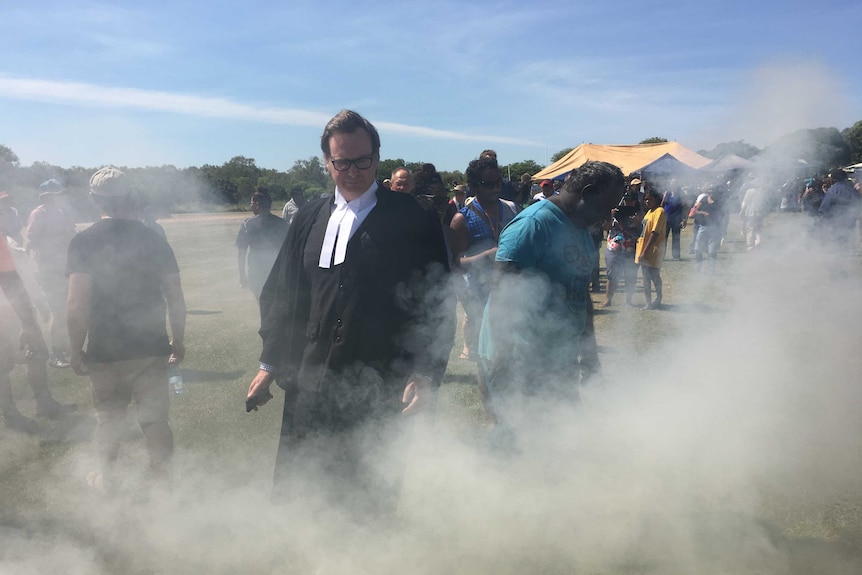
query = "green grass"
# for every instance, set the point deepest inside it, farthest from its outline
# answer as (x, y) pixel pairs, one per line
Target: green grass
(210, 423)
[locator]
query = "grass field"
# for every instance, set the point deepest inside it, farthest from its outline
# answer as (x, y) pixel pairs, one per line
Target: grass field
(714, 445)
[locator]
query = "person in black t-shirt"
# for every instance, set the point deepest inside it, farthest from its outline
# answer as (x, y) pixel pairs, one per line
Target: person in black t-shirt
(260, 237)
(122, 278)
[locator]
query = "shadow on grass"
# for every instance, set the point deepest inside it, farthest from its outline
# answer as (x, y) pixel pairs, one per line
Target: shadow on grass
(599, 310)
(203, 376)
(71, 428)
(462, 378)
(693, 308)
(841, 555)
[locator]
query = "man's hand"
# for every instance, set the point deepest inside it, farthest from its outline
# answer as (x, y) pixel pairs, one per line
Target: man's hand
(79, 362)
(178, 352)
(259, 388)
(417, 394)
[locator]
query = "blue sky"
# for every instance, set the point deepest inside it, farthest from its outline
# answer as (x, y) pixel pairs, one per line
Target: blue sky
(190, 83)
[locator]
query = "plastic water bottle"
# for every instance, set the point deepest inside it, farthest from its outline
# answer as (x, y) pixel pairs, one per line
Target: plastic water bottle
(175, 377)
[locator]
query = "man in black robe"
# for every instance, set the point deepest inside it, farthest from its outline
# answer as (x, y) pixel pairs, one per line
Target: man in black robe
(355, 328)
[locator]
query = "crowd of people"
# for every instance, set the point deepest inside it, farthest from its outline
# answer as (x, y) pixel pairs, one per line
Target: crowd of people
(354, 290)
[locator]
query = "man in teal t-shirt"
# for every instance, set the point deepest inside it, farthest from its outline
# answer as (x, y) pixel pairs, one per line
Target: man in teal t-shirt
(540, 309)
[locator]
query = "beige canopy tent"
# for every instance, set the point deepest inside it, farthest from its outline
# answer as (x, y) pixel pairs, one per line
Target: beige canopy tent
(628, 158)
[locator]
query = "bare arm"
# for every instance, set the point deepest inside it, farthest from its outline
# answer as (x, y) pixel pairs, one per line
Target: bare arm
(503, 294)
(240, 264)
(78, 317)
(458, 225)
(651, 238)
(13, 289)
(462, 235)
(173, 291)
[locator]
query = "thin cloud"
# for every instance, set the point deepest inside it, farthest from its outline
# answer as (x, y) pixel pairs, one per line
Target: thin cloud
(75, 93)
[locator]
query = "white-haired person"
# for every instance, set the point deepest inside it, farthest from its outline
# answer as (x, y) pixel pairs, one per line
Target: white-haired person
(123, 278)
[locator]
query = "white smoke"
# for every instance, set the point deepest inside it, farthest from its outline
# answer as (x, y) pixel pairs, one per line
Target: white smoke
(708, 451)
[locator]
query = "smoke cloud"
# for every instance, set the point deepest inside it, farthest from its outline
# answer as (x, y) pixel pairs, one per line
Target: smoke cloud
(704, 453)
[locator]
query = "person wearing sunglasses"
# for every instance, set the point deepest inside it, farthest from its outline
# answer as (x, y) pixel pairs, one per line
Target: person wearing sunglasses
(477, 227)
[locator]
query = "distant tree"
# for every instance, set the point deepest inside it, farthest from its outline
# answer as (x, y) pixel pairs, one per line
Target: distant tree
(516, 169)
(821, 148)
(560, 154)
(310, 176)
(8, 156)
(453, 178)
(853, 137)
(737, 148)
(385, 167)
(653, 140)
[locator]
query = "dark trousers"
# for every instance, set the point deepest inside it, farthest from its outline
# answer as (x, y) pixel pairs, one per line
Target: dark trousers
(677, 231)
(341, 452)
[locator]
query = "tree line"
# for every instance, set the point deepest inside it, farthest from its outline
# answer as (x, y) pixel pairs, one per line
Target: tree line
(230, 185)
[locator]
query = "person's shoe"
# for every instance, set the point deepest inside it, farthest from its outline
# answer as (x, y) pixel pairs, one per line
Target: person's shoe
(18, 422)
(53, 409)
(59, 361)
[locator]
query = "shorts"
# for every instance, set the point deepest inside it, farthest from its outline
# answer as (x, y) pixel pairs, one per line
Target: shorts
(117, 383)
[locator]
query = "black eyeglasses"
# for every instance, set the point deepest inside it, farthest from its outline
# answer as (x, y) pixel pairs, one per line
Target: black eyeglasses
(490, 183)
(361, 163)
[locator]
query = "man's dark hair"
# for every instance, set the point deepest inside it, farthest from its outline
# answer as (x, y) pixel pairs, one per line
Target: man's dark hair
(600, 175)
(838, 175)
(423, 177)
(488, 154)
(264, 200)
(650, 190)
(475, 169)
(347, 122)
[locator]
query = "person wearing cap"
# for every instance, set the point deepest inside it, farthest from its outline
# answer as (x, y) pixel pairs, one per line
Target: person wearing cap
(123, 278)
(547, 191)
(459, 196)
(635, 185)
(258, 241)
(709, 215)
(620, 253)
(49, 230)
(18, 309)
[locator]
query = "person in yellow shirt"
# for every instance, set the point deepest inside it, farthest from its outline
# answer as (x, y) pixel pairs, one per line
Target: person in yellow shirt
(649, 252)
